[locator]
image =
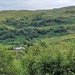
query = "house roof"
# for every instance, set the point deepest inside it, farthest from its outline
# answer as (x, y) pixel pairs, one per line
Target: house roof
(19, 48)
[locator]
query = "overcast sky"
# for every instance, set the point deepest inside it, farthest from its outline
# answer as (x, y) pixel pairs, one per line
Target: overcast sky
(34, 4)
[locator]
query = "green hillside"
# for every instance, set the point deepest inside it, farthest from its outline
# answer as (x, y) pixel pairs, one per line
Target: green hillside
(16, 24)
(48, 37)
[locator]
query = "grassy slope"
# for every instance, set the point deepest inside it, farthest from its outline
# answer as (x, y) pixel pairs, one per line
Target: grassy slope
(60, 50)
(62, 12)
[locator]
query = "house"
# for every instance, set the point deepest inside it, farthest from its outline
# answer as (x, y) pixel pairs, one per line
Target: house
(19, 48)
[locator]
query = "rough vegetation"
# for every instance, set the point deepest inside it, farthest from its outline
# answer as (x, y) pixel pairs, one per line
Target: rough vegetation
(48, 37)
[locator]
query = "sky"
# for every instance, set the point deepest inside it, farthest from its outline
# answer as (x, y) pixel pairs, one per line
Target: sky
(34, 4)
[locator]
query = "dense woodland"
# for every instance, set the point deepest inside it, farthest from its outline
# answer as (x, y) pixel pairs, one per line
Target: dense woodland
(48, 37)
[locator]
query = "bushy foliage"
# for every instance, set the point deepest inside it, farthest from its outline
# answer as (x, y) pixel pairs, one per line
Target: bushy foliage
(29, 25)
(42, 59)
(49, 41)
(6, 66)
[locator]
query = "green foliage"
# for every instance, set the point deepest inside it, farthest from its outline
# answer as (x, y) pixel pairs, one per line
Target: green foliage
(41, 59)
(29, 25)
(53, 62)
(6, 66)
(49, 41)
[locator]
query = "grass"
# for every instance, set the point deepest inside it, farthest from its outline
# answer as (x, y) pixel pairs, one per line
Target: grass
(56, 49)
(51, 53)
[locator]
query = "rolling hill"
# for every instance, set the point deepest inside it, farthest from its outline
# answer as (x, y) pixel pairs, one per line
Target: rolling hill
(40, 24)
(48, 37)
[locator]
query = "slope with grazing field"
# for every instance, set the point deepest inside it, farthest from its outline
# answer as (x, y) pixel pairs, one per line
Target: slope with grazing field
(48, 37)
